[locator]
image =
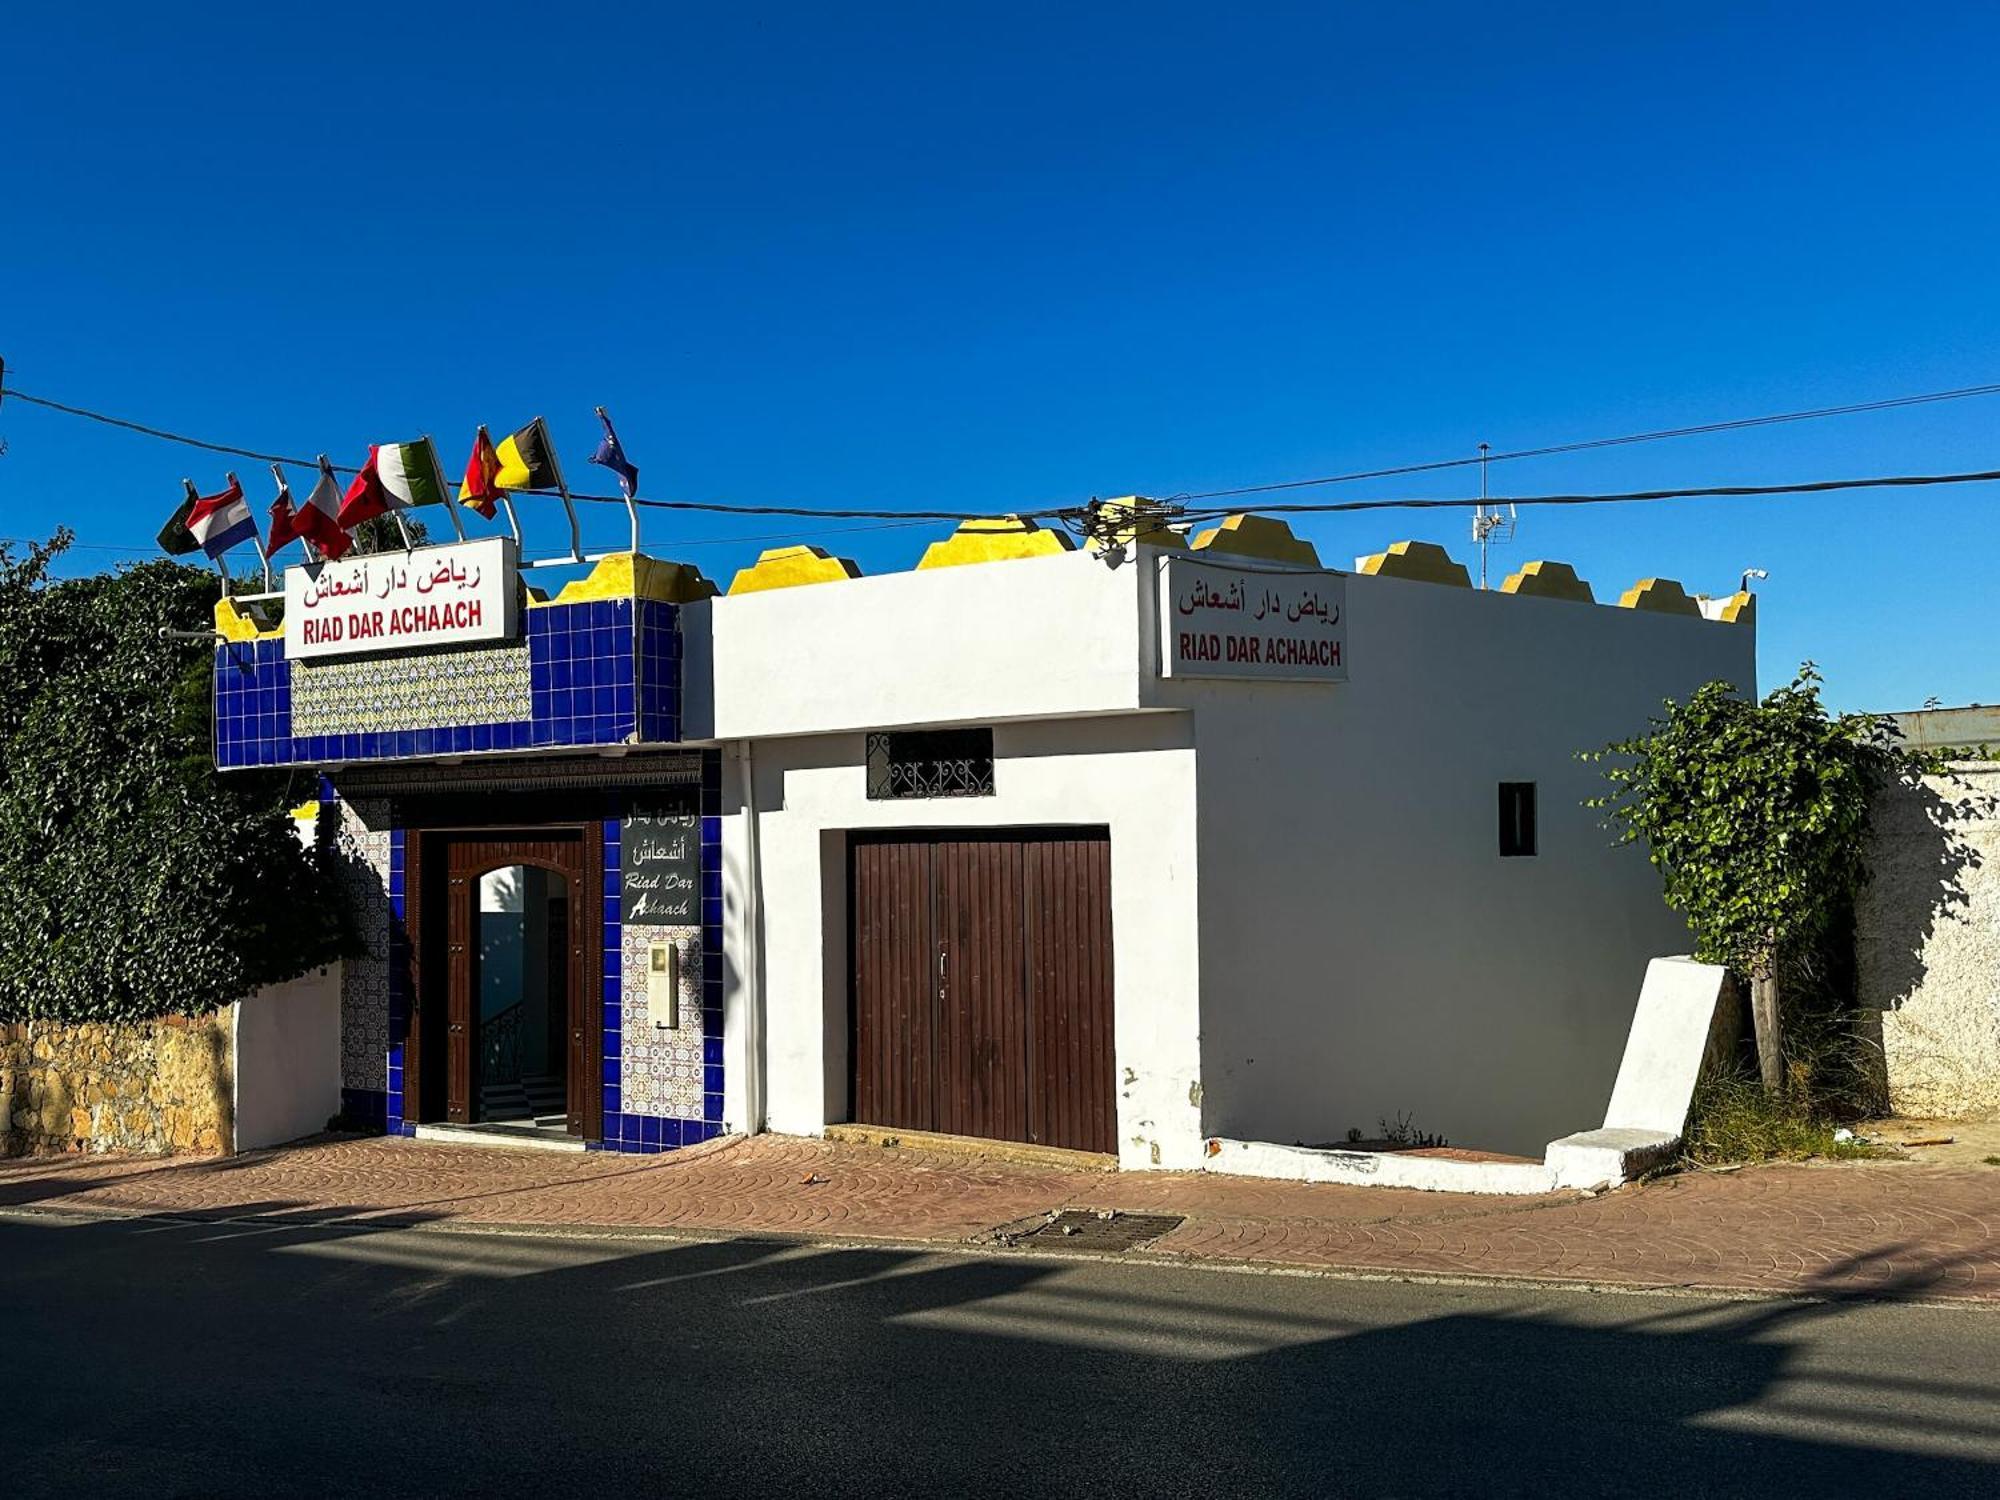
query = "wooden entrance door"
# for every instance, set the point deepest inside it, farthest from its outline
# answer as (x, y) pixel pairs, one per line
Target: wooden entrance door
(981, 990)
(444, 881)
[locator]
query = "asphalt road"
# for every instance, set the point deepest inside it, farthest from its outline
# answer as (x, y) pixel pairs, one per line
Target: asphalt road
(165, 1358)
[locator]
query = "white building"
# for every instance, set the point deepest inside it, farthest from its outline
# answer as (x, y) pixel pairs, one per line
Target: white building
(1313, 927)
(1122, 851)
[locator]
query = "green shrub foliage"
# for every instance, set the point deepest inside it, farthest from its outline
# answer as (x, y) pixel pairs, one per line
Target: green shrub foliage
(1756, 814)
(137, 881)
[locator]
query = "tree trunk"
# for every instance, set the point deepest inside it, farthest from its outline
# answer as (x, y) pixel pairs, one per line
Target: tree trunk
(1764, 1018)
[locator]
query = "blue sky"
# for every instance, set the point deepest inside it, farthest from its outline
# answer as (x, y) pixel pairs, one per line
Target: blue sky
(1013, 256)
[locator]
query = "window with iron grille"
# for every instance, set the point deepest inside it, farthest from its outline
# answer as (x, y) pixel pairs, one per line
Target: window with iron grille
(1517, 818)
(930, 763)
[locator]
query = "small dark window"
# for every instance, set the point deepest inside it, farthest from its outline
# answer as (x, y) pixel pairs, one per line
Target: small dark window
(1517, 818)
(930, 763)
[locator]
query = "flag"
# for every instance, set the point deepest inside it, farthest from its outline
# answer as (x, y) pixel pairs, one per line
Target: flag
(284, 524)
(318, 520)
(397, 476)
(221, 521)
(528, 460)
(610, 454)
(175, 538)
(478, 489)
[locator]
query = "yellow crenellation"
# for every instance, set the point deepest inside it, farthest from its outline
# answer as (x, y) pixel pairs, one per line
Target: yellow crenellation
(1738, 609)
(790, 567)
(993, 539)
(1548, 580)
(1661, 595)
(234, 624)
(1258, 536)
(1426, 562)
(629, 575)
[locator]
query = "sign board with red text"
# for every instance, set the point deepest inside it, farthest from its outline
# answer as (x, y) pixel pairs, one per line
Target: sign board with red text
(400, 601)
(1273, 624)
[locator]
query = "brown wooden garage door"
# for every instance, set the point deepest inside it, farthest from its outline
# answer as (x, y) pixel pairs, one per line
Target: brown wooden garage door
(981, 998)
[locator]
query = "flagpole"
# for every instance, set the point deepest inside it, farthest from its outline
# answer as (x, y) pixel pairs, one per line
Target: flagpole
(450, 505)
(305, 542)
(256, 541)
(562, 489)
(513, 520)
(221, 566)
(623, 489)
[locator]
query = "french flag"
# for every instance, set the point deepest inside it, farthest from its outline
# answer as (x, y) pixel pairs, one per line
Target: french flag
(219, 522)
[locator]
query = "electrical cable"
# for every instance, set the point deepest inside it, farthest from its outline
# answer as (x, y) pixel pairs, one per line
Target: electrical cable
(312, 464)
(1699, 430)
(1808, 487)
(900, 517)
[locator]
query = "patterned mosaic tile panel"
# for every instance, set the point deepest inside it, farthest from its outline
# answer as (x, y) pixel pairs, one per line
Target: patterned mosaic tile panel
(483, 685)
(663, 1073)
(361, 847)
(661, 1069)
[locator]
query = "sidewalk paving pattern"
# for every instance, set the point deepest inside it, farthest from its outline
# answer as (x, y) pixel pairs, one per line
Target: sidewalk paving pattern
(1873, 1228)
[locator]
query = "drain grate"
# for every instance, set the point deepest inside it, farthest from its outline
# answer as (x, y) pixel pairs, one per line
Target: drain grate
(1103, 1231)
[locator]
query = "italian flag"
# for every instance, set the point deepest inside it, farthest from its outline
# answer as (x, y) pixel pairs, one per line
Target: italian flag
(397, 476)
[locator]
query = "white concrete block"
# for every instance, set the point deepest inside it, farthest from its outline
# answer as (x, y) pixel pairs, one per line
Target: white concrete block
(1664, 1048)
(1606, 1158)
(1437, 1174)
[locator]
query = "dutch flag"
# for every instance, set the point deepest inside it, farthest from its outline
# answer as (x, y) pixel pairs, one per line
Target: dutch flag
(219, 522)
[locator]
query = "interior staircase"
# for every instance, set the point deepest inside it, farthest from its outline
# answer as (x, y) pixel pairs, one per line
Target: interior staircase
(536, 1096)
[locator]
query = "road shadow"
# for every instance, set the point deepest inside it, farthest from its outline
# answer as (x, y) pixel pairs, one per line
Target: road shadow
(171, 1357)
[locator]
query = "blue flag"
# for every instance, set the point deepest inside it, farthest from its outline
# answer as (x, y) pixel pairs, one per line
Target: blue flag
(610, 454)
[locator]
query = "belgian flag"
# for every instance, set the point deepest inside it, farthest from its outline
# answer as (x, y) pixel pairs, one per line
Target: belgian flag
(528, 460)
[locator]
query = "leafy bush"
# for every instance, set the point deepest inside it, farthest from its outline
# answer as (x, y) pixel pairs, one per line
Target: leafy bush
(1756, 814)
(138, 882)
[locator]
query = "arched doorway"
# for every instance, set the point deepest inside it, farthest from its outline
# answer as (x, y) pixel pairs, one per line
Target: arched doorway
(506, 929)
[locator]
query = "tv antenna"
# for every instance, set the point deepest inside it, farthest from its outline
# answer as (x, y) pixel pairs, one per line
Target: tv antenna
(1489, 523)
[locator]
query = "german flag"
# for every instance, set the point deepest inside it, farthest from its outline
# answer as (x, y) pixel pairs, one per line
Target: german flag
(528, 460)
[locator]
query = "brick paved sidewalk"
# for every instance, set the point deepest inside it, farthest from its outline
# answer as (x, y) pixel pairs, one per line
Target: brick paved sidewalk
(1883, 1228)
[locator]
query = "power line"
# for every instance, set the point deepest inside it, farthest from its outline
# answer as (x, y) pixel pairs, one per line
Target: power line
(900, 517)
(1809, 487)
(147, 549)
(715, 506)
(1701, 429)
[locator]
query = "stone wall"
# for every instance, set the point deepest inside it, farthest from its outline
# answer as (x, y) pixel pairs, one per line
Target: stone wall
(143, 1086)
(1928, 942)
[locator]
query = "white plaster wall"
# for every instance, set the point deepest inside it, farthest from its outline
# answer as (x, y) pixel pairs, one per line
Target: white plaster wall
(1365, 951)
(1928, 941)
(287, 1067)
(1133, 773)
(1030, 638)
